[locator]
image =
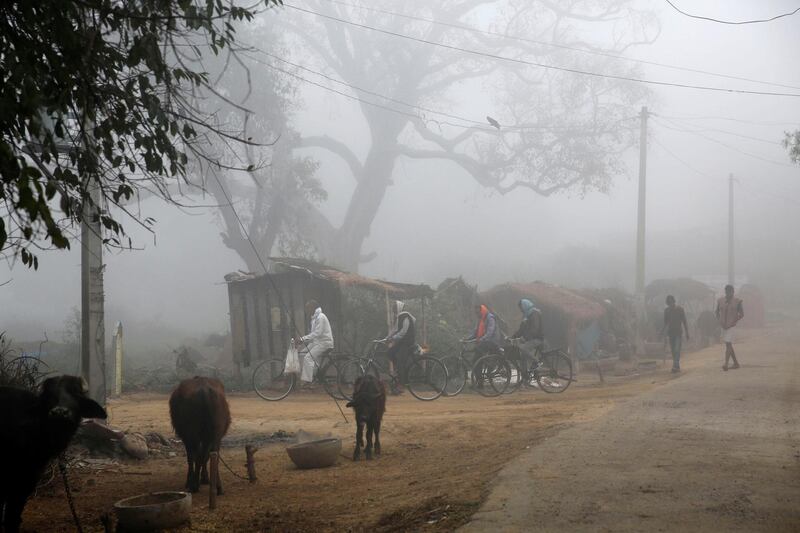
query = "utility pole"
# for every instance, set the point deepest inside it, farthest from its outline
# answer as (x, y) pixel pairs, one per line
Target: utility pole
(93, 338)
(731, 264)
(640, 228)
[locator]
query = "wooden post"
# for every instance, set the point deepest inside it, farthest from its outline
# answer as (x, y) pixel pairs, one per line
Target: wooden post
(213, 472)
(389, 324)
(118, 360)
(599, 367)
(250, 451)
(424, 324)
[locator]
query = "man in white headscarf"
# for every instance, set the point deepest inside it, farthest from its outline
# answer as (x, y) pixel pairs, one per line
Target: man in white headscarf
(401, 341)
(318, 341)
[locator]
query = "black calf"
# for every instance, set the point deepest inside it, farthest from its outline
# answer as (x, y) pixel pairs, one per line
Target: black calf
(369, 404)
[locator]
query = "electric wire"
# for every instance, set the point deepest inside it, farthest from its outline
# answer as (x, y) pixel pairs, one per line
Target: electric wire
(282, 304)
(763, 193)
(541, 65)
(729, 147)
(691, 128)
(468, 122)
(611, 55)
(710, 19)
(680, 159)
(732, 119)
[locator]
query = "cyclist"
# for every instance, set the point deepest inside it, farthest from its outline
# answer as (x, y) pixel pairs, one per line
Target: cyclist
(316, 343)
(401, 342)
(530, 330)
(487, 336)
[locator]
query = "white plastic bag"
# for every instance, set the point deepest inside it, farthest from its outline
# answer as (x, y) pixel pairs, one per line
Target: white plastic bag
(292, 361)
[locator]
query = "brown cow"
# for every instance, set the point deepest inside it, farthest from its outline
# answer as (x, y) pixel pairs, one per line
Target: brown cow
(369, 404)
(201, 417)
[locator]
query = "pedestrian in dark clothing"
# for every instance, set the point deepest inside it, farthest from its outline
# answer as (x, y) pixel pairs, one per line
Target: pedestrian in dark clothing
(530, 329)
(675, 325)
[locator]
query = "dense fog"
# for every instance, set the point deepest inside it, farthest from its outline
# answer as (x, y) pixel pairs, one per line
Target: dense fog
(436, 221)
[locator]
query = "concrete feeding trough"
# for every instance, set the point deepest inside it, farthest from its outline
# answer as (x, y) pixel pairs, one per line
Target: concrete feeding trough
(316, 453)
(153, 511)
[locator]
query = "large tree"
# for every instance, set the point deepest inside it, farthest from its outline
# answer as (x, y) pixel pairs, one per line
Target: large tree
(554, 131)
(792, 144)
(99, 97)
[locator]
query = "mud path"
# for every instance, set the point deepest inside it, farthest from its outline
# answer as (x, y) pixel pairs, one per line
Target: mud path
(439, 459)
(712, 451)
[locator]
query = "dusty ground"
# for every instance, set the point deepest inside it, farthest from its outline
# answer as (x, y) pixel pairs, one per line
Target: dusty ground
(439, 459)
(712, 451)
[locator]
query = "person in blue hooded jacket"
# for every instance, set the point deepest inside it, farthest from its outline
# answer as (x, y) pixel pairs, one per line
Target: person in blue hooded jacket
(530, 330)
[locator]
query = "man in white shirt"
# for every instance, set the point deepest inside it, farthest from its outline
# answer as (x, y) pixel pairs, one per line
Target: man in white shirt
(317, 342)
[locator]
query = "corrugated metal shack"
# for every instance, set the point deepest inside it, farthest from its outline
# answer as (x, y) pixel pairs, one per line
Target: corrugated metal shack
(266, 310)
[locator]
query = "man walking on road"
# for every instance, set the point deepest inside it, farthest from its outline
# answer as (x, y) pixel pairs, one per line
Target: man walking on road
(729, 312)
(675, 325)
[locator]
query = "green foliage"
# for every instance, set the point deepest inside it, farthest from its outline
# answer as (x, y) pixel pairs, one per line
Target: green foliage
(99, 94)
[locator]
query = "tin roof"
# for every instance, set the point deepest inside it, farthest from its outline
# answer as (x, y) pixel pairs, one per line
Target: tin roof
(401, 291)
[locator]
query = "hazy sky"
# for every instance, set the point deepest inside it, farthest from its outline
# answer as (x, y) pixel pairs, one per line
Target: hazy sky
(459, 228)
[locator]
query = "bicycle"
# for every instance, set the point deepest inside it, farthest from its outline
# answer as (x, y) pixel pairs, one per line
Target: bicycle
(492, 374)
(426, 376)
(458, 368)
(550, 371)
(271, 383)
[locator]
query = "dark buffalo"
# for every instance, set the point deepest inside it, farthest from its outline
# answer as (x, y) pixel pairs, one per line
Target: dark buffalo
(369, 404)
(34, 430)
(201, 417)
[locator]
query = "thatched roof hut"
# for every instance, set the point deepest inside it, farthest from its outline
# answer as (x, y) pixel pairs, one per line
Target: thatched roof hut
(565, 314)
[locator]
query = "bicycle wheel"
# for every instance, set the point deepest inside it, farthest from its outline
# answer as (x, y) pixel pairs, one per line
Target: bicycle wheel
(270, 382)
(349, 372)
(491, 375)
(555, 372)
(328, 375)
(427, 378)
(456, 375)
(516, 376)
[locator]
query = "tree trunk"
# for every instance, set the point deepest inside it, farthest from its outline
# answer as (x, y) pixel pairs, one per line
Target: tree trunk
(366, 199)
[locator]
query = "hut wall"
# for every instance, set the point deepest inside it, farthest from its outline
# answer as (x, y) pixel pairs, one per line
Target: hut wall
(266, 313)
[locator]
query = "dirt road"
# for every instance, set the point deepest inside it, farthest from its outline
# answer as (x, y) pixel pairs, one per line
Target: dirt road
(642, 453)
(438, 460)
(711, 451)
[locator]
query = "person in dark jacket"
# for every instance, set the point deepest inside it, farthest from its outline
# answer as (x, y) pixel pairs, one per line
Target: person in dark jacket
(530, 329)
(674, 326)
(487, 335)
(401, 341)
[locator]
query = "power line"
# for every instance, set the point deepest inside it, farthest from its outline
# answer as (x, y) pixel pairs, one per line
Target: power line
(731, 119)
(366, 91)
(541, 65)
(470, 123)
(681, 160)
(693, 129)
(473, 29)
(776, 17)
(352, 97)
(729, 147)
(281, 303)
